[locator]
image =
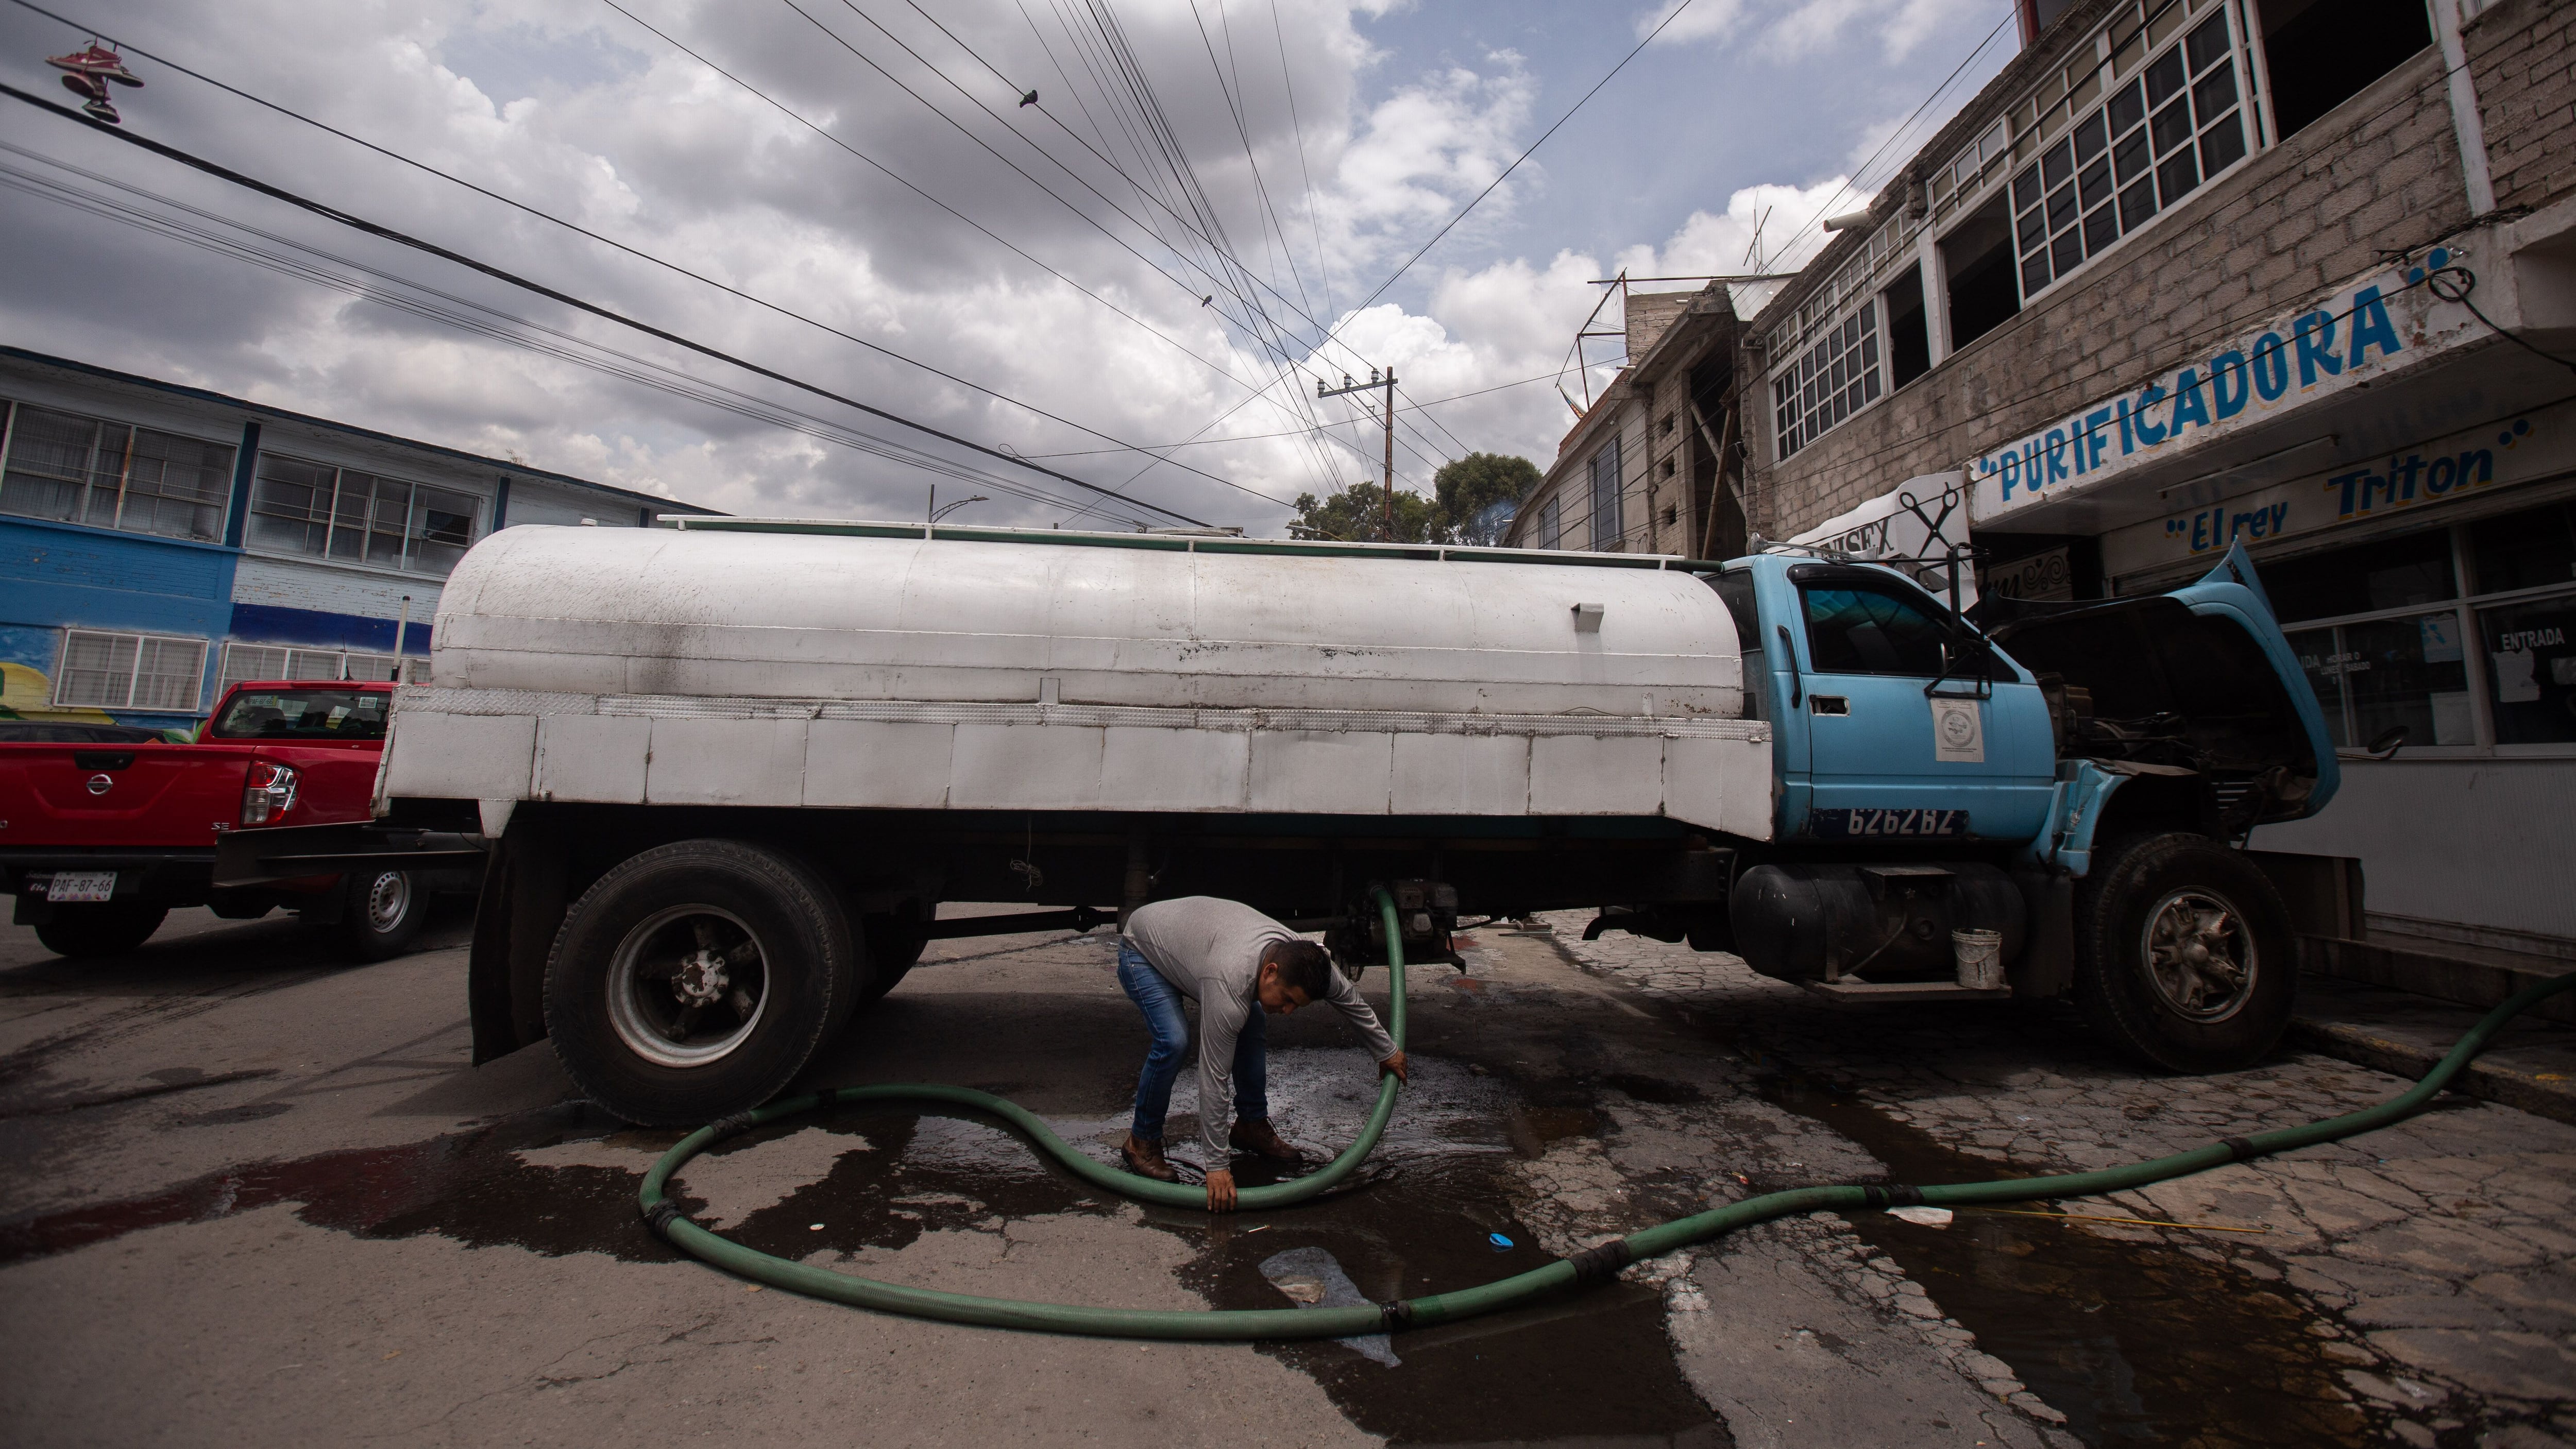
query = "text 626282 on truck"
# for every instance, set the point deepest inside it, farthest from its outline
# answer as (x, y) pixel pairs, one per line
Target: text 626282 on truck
(100, 838)
(731, 769)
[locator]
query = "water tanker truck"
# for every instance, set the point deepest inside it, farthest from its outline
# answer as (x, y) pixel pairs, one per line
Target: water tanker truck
(728, 771)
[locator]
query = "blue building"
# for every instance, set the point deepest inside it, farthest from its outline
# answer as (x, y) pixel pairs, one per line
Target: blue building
(158, 542)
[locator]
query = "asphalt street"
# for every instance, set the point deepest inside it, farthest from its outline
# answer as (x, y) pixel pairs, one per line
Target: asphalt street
(258, 1195)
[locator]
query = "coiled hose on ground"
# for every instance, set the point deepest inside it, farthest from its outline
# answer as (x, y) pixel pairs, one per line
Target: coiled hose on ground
(1593, 1265)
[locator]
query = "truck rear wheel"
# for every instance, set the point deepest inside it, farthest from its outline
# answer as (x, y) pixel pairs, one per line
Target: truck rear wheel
(2183, 954)
(697, 979)
(108, 928)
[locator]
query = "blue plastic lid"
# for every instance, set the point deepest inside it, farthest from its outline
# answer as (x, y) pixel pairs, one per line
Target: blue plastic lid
(1501, 1243)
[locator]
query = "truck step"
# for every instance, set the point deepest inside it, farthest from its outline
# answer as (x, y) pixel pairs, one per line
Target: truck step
(1856, 992)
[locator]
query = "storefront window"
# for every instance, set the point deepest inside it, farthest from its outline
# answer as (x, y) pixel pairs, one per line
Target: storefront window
(2526, 550)
(2372, 677)
(2393, 573)
(2533, 670)
(2409, 672)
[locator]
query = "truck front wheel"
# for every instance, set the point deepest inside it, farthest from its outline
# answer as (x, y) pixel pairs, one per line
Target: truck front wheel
(696, 980)
(2183, 954)
(110, 928)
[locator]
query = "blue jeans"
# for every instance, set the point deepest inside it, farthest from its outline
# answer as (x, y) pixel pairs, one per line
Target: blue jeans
(1160, 1000)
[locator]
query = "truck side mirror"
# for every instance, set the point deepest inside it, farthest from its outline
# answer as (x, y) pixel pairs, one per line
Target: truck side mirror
(2389, 741)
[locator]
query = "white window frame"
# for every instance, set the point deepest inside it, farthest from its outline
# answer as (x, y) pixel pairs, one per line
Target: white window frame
(134, 674)
(121, 482)
(1609, 490)
(476, 530)
(2114, 77)
(1834, 380)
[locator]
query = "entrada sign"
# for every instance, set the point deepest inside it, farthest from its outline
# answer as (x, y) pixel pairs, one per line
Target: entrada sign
(2339, 341)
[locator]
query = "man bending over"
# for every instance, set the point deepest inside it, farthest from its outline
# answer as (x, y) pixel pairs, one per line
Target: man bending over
(1239, 965)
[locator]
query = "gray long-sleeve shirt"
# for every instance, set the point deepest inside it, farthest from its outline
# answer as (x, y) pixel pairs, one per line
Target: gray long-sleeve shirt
(1211, 949)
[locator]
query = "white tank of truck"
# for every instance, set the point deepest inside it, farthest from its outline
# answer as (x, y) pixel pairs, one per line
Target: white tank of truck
(738, 662)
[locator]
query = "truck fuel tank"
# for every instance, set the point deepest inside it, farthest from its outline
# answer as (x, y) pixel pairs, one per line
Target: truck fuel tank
(1885, 921)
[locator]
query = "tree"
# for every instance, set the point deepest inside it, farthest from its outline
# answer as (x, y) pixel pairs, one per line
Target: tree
(1477, 495)
(1357, 514)
(1472, 503)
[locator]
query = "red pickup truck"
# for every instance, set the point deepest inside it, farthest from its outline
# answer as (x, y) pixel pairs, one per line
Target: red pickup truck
(101, 838)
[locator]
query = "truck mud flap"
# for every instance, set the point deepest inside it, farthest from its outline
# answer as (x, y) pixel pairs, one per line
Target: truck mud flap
(515, 919)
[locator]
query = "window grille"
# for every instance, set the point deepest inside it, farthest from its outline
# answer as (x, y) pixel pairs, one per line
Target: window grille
(246, 662)
(130, 671)
(1829, 382)
(2173, 126)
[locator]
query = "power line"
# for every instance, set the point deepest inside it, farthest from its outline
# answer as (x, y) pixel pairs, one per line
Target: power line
(567, 347)
(700, 277)
(386, 233)
(1902, 127)
(1251, 305)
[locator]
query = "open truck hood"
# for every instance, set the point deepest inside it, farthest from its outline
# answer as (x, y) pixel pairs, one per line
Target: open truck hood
(2200, 678)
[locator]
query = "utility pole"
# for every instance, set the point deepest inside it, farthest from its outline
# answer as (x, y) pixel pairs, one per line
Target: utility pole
(1374, 381)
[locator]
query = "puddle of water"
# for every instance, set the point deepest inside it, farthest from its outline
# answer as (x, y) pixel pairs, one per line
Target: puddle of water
(468, 1186)
(1422, 1219)
(1425, 1224)
(2137, 1342)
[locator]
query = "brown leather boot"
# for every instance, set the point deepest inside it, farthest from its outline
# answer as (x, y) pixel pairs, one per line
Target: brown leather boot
(1262, 1140)
(1145, 1159)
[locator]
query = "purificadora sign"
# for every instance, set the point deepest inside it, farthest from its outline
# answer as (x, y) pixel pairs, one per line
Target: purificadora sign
(2338, 341)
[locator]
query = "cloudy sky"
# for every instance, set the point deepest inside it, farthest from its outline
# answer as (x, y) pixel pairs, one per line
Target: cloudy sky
(1154, 253)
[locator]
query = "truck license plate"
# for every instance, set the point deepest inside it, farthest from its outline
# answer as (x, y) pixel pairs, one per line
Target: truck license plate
(81, 885)
(1880, 824)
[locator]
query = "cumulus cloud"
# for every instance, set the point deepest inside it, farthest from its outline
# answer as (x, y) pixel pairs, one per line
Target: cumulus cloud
(1792, 29)
(1056, 257)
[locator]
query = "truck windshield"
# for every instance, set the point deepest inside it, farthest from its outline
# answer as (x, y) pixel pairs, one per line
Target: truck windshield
(303, 714)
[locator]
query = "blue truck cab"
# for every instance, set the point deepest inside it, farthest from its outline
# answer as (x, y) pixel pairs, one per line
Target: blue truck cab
(2077, 779)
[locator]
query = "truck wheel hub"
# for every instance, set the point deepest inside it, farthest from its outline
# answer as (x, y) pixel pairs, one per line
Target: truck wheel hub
(687, 986)
(2198, 956)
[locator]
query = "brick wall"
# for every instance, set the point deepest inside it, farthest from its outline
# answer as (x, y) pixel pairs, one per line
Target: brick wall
(2522, 55)
(2381, 172)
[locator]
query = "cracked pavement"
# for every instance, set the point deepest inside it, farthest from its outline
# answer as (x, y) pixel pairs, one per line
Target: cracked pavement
(261, 1196)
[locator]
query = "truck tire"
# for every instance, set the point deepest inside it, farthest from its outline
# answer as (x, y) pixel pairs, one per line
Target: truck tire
(696, 980)
(382, 913)
(108, 928)
(2183, 954)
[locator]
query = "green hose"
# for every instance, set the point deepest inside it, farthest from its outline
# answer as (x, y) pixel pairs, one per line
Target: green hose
(1593, 1265)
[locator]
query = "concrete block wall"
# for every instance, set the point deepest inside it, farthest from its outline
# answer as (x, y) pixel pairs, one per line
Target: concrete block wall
(2522, 55)
(2379, 173)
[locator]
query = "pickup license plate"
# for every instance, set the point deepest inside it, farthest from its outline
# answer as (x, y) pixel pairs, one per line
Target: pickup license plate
(81, 885)
(1888, 824)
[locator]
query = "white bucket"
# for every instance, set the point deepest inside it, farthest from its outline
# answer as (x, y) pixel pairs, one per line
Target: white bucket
(1981, 959)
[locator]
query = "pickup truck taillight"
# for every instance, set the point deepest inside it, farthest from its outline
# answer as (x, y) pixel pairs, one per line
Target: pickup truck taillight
(268, 794)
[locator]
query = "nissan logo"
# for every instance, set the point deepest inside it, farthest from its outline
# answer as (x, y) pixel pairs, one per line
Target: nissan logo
(101, 784)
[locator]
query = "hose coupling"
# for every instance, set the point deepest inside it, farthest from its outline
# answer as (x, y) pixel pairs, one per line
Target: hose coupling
(2240, 1148)
(1601, 1264)
(660, 1214)
(1394, 1315)
(1896, 1196)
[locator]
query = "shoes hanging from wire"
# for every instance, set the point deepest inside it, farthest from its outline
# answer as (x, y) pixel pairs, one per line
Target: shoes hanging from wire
(87, 72)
